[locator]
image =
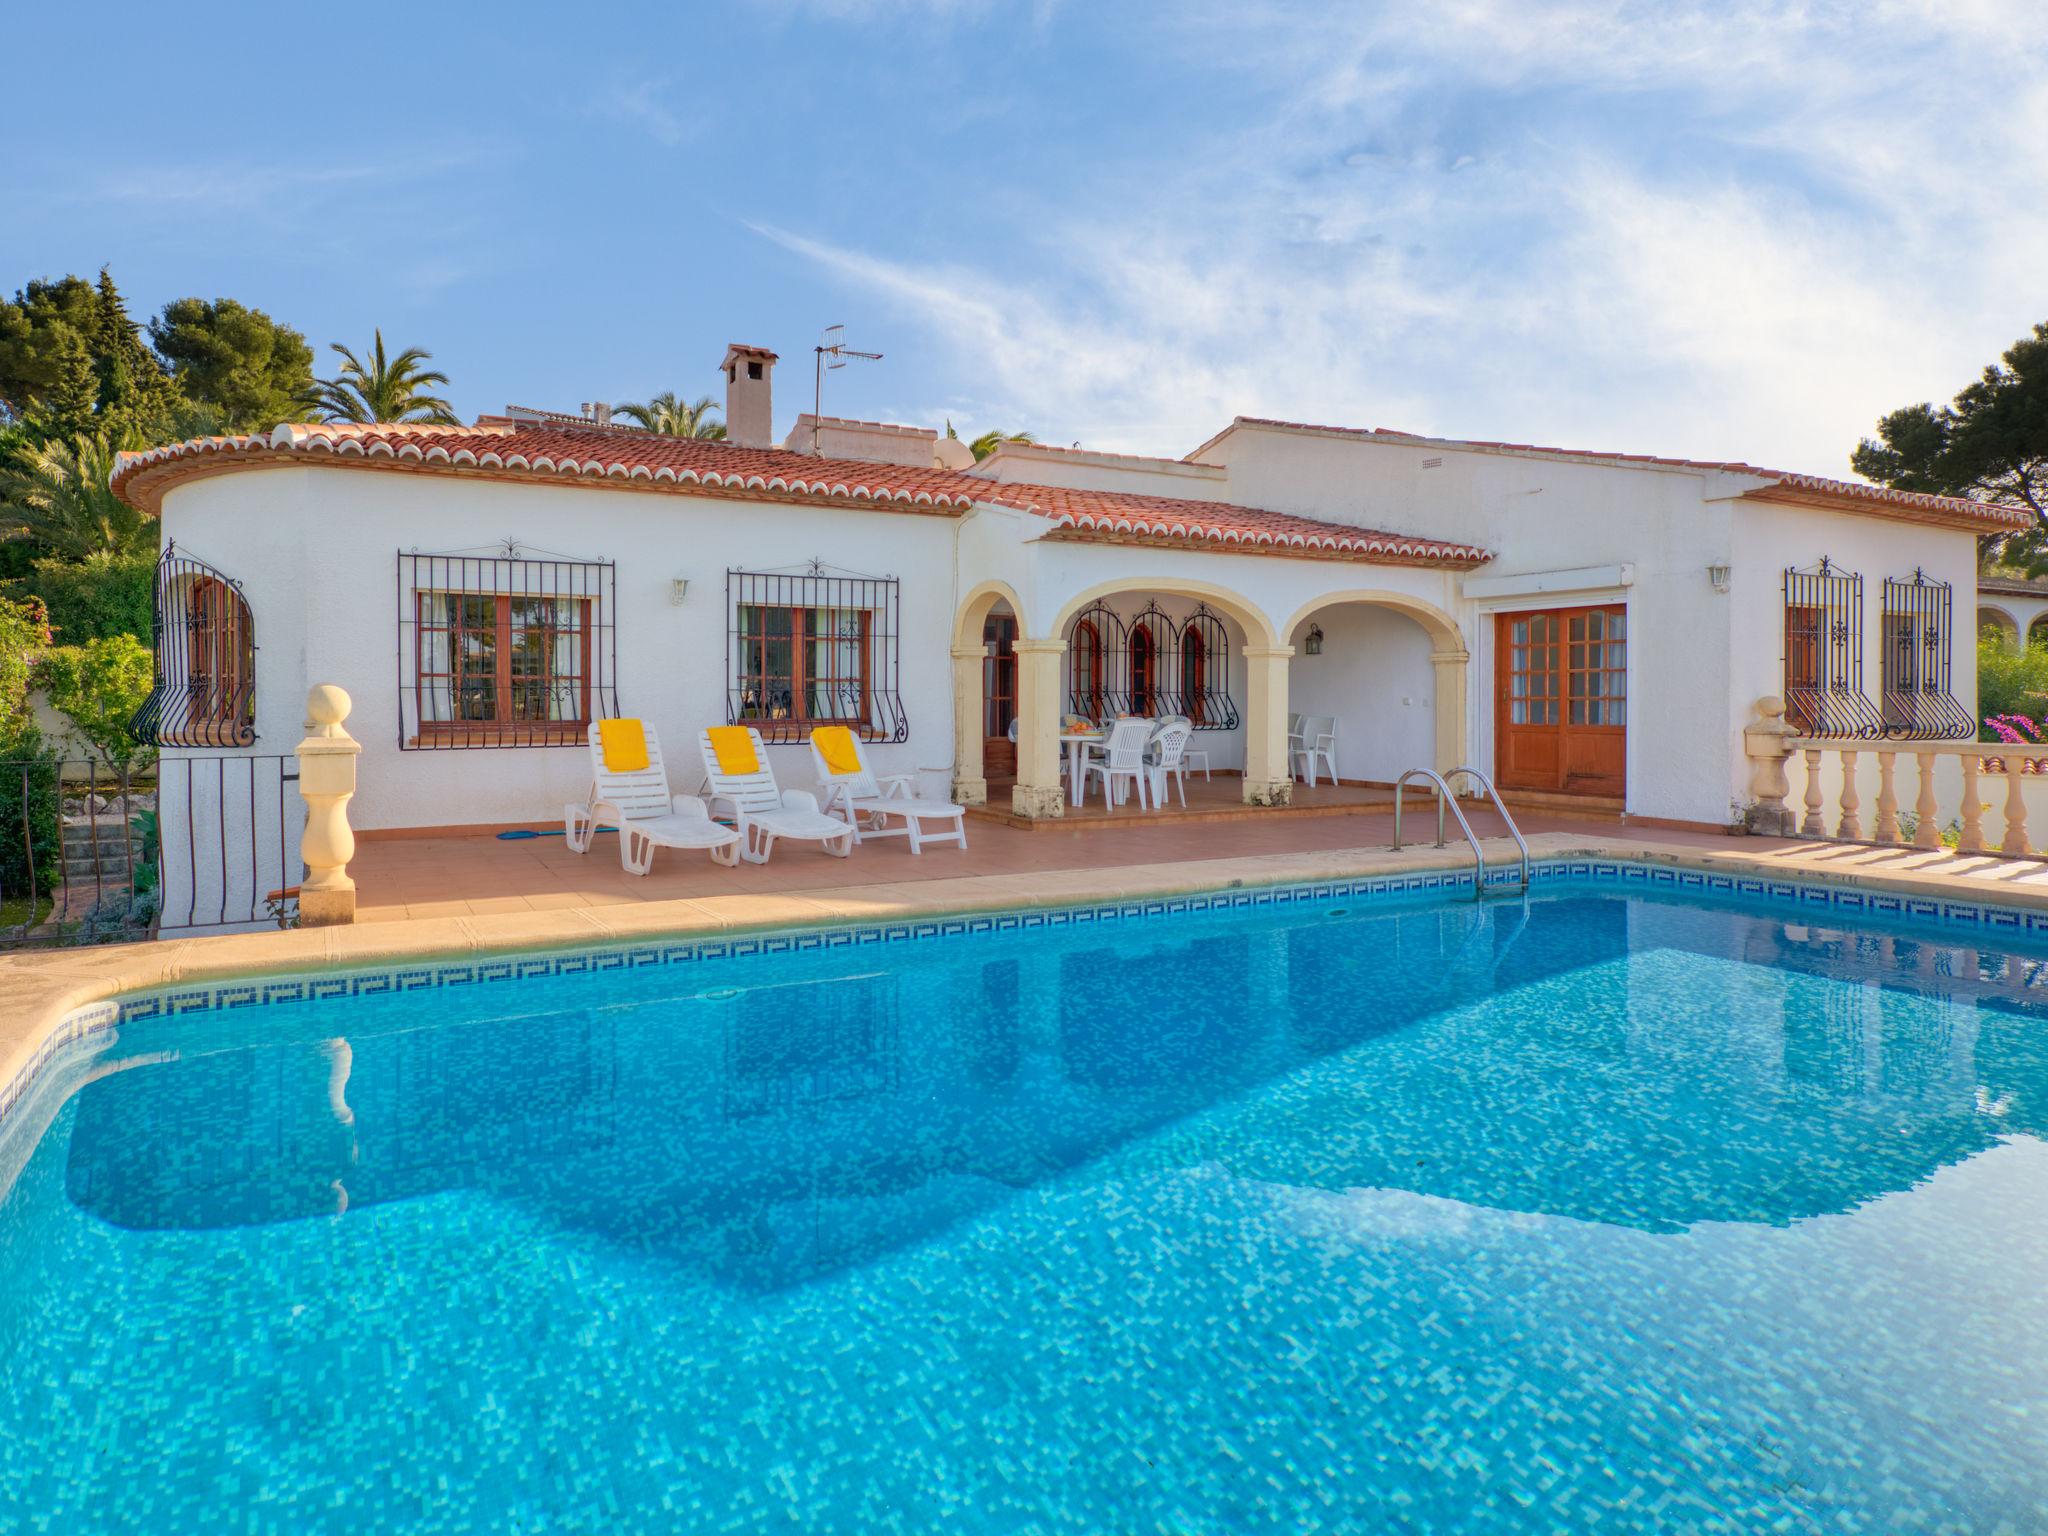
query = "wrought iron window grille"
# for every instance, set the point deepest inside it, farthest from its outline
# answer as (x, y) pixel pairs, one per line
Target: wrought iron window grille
(814, 645)
(1915, 661)
(1823, 655)
(204, 639)
(1151, 664)
(508, 647)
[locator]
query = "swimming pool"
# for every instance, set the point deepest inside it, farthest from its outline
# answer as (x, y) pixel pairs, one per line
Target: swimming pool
(1615, 1210)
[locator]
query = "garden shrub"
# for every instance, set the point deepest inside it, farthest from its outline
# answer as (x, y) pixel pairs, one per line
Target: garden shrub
(2010, 683)
(98, 687)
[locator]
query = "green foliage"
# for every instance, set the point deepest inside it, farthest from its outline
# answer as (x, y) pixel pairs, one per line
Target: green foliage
(28, 769)
(251, 371)
(990, 441)
(72, 361)
(57, 498)
(668, 415)
(98, 687)
(31, 829)
(381, 390)
(93, 598)
(1990, 443)
(24, 636)
(2010, 683)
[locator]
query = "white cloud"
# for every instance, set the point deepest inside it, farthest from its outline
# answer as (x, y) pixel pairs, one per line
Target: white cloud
(1732, 230)
(644, 104)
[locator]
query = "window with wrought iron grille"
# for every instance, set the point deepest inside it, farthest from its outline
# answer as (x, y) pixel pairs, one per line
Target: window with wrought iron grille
(1824, 654)
(512, 648)
(1152, 664)
(204, 690)
(814, 647)
(1914, 689)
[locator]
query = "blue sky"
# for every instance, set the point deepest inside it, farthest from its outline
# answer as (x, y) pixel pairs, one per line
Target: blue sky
(1730, 229)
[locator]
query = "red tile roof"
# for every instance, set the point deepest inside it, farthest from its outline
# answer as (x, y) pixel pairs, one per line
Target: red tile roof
(639, 460)
(1785, 485)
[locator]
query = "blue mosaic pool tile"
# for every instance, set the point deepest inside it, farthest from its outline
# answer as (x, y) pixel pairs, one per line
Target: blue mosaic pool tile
(1839, 899)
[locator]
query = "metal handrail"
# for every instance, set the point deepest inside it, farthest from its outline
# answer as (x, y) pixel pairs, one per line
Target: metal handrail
(1445, 799)
(1486, 787)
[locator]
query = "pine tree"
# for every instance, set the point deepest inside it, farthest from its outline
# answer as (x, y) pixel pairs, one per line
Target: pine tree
(71, 400)
(136, 396)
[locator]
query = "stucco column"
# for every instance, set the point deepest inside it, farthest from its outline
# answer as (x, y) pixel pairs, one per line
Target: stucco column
(327, 782)
(1039, 697)
(970, 780)
(1453, 668)
(1267, 776)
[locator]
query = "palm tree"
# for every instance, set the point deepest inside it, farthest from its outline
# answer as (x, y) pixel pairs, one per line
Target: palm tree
(990, 441)
(57, 498)
(667, 415)
(393, 390)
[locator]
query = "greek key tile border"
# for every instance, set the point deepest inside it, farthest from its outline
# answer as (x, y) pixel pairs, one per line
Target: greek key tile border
(1840, 900)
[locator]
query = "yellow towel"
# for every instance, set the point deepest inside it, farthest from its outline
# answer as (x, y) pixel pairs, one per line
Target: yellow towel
(835, 746)
(734, 747)
(624, 744)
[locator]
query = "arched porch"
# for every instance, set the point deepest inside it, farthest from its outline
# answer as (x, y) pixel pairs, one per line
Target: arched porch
(1134, 646)
(1392, 671)
(1994, 620)
(987, 632)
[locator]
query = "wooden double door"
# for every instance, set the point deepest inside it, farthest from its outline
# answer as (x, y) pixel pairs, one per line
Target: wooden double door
(1561, 700)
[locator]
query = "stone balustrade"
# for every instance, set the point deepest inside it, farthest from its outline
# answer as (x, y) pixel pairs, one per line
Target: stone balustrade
(1971, 796)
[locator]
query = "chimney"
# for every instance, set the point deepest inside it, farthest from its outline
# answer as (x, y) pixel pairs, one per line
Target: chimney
(749, 408)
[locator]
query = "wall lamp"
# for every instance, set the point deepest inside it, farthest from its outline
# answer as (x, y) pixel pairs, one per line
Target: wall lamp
(677, 588)
(1312, 642)
(1718, 576)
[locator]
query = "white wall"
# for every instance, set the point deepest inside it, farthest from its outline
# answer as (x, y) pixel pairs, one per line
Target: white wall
(1375, 678)
(1698, 658)
(1770, 539)
(268, 529)
(1039, 464)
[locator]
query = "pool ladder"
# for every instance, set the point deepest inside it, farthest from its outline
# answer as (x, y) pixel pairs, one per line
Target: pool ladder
(1444, 799)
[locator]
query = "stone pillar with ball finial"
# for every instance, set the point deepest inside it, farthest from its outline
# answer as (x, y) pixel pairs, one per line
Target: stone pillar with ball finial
(327, 782)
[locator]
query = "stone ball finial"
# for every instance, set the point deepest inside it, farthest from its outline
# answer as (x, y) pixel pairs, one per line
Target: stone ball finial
(327, 706)
(1770, 706)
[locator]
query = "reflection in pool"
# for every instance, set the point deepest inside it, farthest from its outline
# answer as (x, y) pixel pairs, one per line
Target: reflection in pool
(1599, 1210)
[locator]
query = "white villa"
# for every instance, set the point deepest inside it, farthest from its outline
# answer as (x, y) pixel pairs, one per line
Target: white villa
(1589, 628)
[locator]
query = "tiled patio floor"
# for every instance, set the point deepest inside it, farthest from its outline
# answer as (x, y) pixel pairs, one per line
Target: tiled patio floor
(472, 876)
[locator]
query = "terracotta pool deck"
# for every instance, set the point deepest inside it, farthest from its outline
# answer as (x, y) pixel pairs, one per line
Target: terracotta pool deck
(402, 878)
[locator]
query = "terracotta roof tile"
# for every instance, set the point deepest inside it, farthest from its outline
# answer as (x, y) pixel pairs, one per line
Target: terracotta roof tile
(648, 461)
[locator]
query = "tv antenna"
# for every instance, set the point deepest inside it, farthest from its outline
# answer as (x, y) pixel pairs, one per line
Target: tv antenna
(833, 352)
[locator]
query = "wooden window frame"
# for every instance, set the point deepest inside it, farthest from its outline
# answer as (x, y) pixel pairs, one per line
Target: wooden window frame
(1086, 691)
(1194, 676)
(753, 671)
(502, 729)
(1144, 669)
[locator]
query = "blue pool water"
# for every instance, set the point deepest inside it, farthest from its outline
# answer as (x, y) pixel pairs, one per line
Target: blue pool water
(1598, 1214)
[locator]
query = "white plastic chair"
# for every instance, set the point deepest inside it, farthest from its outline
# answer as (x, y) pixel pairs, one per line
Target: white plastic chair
(862, 796)
(1318, 739)
(1121, 757)
(648, 817)
(1169, 752)
(764, 811)
(1194, 756)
